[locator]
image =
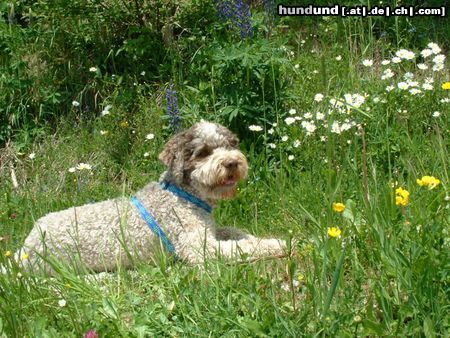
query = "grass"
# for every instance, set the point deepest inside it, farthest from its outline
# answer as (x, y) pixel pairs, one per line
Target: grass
(386, 275)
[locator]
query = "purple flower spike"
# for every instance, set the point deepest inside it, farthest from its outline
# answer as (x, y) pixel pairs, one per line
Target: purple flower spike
(173, 111)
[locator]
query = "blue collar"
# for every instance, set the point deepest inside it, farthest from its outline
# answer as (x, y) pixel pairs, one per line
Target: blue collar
(187, 196)
(153, 225)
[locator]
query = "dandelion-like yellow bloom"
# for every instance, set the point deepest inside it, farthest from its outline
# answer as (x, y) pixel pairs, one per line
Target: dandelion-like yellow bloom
(25, 256)
(124, 124)
(401, 196)
(8, 253)
(338, 207)
(446, 85)
(334, 232)
(428, 181)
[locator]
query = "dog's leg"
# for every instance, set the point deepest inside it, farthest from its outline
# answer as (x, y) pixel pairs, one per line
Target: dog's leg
(247, 248)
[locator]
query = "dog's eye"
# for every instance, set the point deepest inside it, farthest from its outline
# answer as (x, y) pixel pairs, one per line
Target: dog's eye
(203, 152)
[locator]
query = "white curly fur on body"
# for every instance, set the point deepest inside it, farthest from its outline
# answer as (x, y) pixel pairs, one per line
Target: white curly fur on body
(204, 161)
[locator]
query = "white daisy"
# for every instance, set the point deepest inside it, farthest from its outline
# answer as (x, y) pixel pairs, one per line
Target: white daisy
(367, 63)
(84, 166)
(422, 66)
(426, 53)
(318, 97)
(255, 128)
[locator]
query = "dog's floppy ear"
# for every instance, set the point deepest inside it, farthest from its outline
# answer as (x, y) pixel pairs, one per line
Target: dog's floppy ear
(173, 154)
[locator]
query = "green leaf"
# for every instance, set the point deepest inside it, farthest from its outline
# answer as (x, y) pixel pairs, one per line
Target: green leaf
(373, 328)
(428, 328)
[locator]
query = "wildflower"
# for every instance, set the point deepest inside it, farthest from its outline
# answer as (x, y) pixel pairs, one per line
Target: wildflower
(255, 128)
(143, 73)
(93, 69)
(72, 169)
(146, 154)
(25, 256)
(415, 91)
(338, 58)
(124, 124)
(272, 145)
(310, 128)
(291, 157)
(439, 58)
(396, 59)
(438, 67)
(446, 86)
(238, 13)
(106, 110)
(389, 88)
(62, 302)
(320, 116)
(173, 112)
(83, 166)
(103, 132)
(308, 115)
(296, 144)
(367, 63)
(91, 334)
(334, 232)
(385, 62)
(426, 53)
(297, 66)
(284, 138)
(387, 74)
(354, 100)
(150, 136)
(75, 103)
(318, 97)
(271, 131)
(403, 85)
(357, 319)
(8, 253)
(436, 114)
(405, 54)
(289, 120)
(32, 156)
(292, 111)
(401, 196)
(435, 49)
(427, 86)
(422, 66)
(428, 181)
(445, 100)
(338, 207)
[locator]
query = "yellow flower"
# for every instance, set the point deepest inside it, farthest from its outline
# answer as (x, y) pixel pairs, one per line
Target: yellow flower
(428, 181)
(124, 124)
(446, 85)
(25, 256)
(401, 196)
(8, 253)
(334, 232)
(338, 207)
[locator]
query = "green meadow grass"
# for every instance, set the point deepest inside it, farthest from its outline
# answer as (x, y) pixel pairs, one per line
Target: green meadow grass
(387, 273)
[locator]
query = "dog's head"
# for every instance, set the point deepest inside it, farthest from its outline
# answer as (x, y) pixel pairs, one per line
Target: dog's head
(206, 157)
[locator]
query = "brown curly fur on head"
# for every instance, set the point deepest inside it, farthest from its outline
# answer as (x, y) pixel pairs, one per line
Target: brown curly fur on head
(206, 159)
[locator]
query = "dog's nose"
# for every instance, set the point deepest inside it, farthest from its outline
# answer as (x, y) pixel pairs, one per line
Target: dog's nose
(231, 164)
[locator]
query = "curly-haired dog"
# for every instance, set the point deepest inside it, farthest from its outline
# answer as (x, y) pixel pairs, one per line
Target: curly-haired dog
(204, 165)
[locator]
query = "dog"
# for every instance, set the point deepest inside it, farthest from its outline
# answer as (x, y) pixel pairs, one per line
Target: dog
(204, 165)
